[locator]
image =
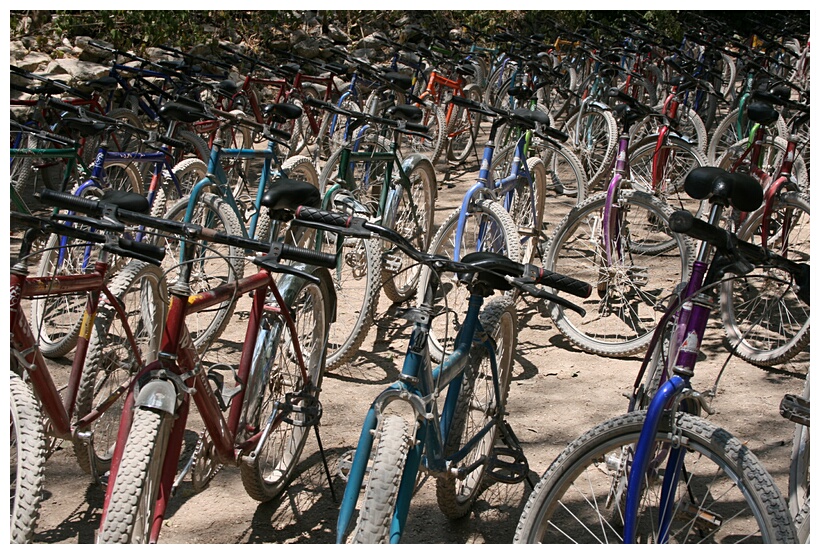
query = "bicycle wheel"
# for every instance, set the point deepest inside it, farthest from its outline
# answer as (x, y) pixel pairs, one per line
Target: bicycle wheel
(357, 280)
(772, 152)
(410, 211)
(335, 127)
(130, 512)
(726, 134)
(27, 459)
(110, 362)
(487, 228)
(764, 319)
(527, 209)
(566, 182)
(394, 437)
(724, 494)
(298, 168)
(688, 126)
(799, 474)
(56, 319)
(633, 287)
(365, 177)
(188, 173)
(477, 406)
(677, 158)
(594, 139)
(211, 264)
(433, 119)
(463, 128)
(278, 403)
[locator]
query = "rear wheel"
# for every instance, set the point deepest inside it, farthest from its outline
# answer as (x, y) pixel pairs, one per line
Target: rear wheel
(766, 322)
(280, 404)
(111, 363)
(464, 127)
(477, 406)
(593, 137)
(633, 286)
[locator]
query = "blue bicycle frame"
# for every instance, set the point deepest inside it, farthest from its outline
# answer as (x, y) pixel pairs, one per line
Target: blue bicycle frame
(416, 385)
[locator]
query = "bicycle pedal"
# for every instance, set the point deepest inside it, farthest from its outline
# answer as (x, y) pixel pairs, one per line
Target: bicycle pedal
(795, 409)
(701, 519)
(345, 463)
(507, 465)
(392, 262)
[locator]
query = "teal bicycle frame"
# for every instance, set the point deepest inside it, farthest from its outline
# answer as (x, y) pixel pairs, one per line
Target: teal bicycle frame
(416, 386)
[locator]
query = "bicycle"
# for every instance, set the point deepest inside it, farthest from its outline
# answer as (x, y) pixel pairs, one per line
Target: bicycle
(127, 313)
(366, 176)
(213, 203)
(405, 429)
(782, 224)
(261, 424)
(639, 477)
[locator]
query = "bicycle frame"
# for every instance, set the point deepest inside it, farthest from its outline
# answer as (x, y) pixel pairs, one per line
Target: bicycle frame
(416, 386)
(59, 410)
(177, 372)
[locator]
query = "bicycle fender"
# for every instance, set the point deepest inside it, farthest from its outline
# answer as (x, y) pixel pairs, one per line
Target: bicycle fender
(600, 105)
(409, 163)
(159, 395)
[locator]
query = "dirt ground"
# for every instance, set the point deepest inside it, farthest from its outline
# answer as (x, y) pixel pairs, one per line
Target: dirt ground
(557, 393)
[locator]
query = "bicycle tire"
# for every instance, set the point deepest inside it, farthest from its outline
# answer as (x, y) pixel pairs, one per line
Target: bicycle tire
(771, 157)
(329, 141)
(298, 168)
(681, 158)
(433, 119)
(763, 299)
(689, 126)
(592, 469)
(799, 474)
(357, 280)
(725, 135)
(464, 125)
(188, 172)
(27, 453)
(521, 209)
(597, 141)
(215, 264)
(566, 184)
(450, 302)
(195, 146)
(394, 438)
(632, 291)
(267, 475)
(477, 405)
(130, 510)
(110, 362)
(412, 217)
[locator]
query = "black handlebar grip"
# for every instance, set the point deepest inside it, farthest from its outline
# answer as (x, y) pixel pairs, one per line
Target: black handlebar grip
(564, 283)
(310, 257)
(70, 202)
(306, 213)
(684, 222)
(147, 252)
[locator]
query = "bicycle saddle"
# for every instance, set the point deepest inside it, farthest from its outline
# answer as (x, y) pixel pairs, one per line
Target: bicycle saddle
(282, 109)
(405, 112)
(130, 201)
(186, 113)
(285, 195)
(741, 191)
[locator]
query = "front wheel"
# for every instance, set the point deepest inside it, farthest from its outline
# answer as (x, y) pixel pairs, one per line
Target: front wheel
(133, 495)
(110, 362)
(394, 436)
(724, 494)
(487, 228)
(411, 208)
(477, 406)
(633, 281)
(27, 461)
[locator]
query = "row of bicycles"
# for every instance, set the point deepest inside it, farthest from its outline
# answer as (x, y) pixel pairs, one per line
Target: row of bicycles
(176, 189)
